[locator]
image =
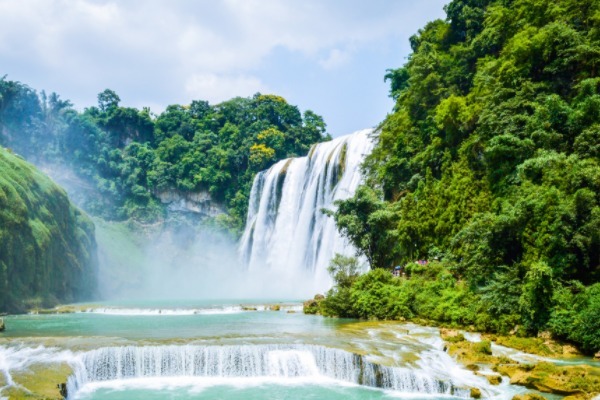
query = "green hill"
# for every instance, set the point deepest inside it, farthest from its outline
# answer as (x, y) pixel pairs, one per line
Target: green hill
(47, 246)
(490, 164)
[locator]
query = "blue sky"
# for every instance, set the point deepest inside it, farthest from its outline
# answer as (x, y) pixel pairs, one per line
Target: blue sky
(329, 56)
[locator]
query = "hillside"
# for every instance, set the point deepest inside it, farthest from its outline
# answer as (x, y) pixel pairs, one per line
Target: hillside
(133, 160)
(488, 168)
(47, 246)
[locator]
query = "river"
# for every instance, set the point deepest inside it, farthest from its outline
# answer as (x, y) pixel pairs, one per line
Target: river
(226, 350)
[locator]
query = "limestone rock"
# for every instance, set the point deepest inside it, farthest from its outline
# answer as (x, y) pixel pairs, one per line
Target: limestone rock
(544, 335)
(194, 202)
(494, 379)
(475, 393)
(528, 396)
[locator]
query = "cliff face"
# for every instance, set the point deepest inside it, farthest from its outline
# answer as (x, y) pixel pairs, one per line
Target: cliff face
(47, 246)
(199, 203)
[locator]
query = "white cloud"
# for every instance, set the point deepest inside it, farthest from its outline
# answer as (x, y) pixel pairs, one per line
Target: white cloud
(165, 52)
(217, 88)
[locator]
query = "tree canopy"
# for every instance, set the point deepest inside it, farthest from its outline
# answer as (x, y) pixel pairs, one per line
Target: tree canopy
(489, 160)
(132, 155)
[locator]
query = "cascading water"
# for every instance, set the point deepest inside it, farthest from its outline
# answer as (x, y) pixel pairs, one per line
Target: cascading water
(249, 361)
(287, 235)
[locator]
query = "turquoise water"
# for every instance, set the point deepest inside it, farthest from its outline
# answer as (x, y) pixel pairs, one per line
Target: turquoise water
(248, 324)
(262, 354)
(254, 392)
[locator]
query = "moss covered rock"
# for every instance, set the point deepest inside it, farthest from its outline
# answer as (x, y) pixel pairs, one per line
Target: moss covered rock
(551, 378)
(475, 393)
(528, 396)
(543, 346)
(39, 382)
(47, 246)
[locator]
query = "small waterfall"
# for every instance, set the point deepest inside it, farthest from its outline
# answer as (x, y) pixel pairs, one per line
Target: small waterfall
(248, 361)
(287, 235)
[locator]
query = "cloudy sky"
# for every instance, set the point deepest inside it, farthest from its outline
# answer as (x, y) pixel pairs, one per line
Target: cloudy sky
(329, 56)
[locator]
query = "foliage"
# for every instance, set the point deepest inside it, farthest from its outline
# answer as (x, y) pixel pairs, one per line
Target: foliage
(131, 155)
(47, 246)
(344, 270)
(489, 162)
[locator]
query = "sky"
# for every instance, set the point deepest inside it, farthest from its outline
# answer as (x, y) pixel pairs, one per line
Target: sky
(329, 56)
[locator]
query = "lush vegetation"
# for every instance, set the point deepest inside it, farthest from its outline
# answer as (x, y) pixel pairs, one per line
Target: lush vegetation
(47, 246)
(490, 162)
(130, 156)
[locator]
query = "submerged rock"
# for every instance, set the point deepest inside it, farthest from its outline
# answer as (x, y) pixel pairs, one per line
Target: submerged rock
(2, 326)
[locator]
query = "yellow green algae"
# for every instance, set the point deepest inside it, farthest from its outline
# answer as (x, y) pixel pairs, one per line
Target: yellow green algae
(537, 345)
(580, 380)
(38, 382)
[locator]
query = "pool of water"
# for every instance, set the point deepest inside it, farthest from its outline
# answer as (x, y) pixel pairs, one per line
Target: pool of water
(232, 349)
(137, 321)
(239, 389)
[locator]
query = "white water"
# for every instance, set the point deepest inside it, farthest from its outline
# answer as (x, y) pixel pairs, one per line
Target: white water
(164, 311)
(211, 310)
(287, 237)
(21, 357)
(273, 363)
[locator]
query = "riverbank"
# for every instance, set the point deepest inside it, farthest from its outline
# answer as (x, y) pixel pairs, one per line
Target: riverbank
(538, 363)
(551, 367)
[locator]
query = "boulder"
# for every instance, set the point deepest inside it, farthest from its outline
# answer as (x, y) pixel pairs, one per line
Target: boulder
(475, 393)
(557, 379)
(2, 326)
(528, 396)
(493, 379)
(472, 367)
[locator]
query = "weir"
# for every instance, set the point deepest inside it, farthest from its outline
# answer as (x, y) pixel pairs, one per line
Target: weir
(249, 361)
(287, 234)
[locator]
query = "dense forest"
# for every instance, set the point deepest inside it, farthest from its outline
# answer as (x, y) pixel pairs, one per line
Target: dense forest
(128, 156)
(488, 170)
(47, 246)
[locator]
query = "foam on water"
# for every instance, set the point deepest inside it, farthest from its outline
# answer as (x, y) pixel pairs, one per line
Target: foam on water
(234, 364)
(164, 311)
(287, 237)
(217, 310)
(14, 358)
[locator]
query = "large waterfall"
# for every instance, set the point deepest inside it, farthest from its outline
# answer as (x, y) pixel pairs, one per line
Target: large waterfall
(287, 235)
(275, 362)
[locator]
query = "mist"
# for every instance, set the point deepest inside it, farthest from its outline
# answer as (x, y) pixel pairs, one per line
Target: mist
(185, 259)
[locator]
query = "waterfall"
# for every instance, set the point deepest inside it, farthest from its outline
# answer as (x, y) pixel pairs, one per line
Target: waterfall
(249, 361)
(287, 235)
